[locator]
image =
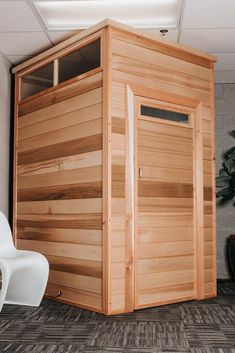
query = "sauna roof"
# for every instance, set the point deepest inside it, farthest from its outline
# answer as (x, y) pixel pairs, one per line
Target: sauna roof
(173, 49)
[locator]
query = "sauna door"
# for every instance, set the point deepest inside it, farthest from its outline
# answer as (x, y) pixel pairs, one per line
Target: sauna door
(164, 217)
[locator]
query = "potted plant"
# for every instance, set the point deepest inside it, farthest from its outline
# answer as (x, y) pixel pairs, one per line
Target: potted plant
(225, 182)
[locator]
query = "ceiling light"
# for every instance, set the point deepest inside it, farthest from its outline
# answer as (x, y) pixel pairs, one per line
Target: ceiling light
(60, 15)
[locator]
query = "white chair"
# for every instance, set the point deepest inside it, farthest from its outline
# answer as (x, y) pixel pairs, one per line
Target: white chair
(24, 273)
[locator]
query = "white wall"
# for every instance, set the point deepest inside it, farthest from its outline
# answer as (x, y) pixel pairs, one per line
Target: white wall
(225, 122)
(4, 132)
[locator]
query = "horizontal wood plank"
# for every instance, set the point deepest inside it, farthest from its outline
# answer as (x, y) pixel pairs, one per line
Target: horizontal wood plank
(167, 249)
(75, 176)
(58, 150)
(61, 235)
(73, 118)
(75, 296)
(77, 266)
(164, 189)
(64, 192)
(79, 221)
(36, 111)
(74, 206)
(75, 251)
(86, 129)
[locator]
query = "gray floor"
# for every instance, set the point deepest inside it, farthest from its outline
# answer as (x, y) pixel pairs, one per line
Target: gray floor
(191, 327)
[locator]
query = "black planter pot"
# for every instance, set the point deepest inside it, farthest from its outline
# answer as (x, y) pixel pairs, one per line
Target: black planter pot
(231, 254)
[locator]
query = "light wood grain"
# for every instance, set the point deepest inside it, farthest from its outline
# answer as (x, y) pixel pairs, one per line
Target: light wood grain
(62, 192)
(77, 266)
(165, 264)
(64, 149)
(164, 295)
(152, 250)
(66, 90)
(86, 283)
(79, 221)
(75, 251)
(164, 234)
(158, 280)
(128, 49)
(60, 108)
(76, 161)
(61, 235)
(75, 176)
(69, 295)
(62, 135)
(164, 204)
(75, 117)
(75, 206)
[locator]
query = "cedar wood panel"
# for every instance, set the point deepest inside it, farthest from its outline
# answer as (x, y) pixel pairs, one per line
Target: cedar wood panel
(137, 63)
(59, 188)
(71, 176)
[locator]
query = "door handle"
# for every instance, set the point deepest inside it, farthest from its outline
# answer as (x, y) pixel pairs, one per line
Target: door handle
(140, 173)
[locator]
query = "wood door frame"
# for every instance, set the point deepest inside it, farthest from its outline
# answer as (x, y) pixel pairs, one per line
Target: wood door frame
(193, 106)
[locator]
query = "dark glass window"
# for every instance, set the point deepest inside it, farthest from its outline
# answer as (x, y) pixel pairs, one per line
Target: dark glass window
(164, 114)
(37, 81)
(79, 61)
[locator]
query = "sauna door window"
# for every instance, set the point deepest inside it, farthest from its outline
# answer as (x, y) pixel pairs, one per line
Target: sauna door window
(170, 116)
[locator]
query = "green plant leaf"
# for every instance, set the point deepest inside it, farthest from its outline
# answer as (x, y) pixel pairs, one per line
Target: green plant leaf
(230, 153)
(229, 166)
(222, 181)
(227, 193)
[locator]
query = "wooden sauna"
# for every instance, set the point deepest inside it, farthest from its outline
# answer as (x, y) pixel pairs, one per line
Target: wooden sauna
(114, 169)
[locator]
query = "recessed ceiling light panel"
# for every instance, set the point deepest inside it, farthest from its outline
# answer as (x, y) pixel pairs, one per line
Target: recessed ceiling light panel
(58, 15)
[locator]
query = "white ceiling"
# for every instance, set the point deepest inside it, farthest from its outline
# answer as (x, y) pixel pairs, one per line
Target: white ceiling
(208, 25)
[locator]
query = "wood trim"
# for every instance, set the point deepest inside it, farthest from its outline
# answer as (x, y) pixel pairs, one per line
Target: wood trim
(129, 201)
(15, 161)
(86, 307)
(180, 49)
(136, 173)
(199, 206)
(213, 179)
(163, 96)
(56, 72)
(106, 50)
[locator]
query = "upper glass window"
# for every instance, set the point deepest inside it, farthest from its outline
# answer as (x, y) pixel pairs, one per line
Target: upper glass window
(80, 61)
(37, 81)
(164, 114)
(74, 64)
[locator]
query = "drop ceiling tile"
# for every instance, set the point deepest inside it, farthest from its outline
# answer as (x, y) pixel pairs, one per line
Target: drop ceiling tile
(225, 76)
(209, 14)
(210, 40)
(17, 16)
(172, 34)
(59, 36)
(17, 59)
(23, 43)
(226, 61)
